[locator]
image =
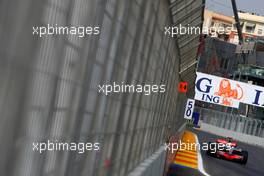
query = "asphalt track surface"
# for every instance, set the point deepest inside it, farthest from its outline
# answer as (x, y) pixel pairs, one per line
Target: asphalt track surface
(219, 167)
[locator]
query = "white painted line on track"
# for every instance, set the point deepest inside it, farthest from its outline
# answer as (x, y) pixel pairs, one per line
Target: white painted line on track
(200, 159)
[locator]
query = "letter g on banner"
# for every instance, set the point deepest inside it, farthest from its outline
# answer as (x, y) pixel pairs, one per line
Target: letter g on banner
(208, 87)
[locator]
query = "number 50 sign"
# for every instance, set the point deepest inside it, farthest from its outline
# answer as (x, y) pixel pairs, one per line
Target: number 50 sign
(189, 109)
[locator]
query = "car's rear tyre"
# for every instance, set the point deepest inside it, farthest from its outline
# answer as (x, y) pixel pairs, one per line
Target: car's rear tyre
(245, 157)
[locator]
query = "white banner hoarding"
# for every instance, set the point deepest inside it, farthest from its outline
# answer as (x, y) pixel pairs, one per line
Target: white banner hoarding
(226, 92)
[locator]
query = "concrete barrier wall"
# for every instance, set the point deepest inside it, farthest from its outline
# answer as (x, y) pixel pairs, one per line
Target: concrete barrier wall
(153, 166)
(234, 122)
(236, 135)
(158, 163)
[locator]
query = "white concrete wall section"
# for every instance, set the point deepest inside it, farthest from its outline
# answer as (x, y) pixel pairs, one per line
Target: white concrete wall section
(236, 135)
(152, 166)
(155, 164)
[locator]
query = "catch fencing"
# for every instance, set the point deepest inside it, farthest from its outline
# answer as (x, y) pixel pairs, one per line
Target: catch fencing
(234, 122)
(49, 86)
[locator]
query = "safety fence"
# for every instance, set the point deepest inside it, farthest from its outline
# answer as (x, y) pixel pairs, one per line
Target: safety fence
(49, 86)
(234, 122)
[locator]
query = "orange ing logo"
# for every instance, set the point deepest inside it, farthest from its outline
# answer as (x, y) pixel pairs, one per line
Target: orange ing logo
(228, 93)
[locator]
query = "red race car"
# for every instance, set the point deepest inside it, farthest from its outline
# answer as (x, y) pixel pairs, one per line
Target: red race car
(228, 140)
(226, 149)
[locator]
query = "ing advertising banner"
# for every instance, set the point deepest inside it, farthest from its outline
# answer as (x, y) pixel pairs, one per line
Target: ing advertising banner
(227, 92)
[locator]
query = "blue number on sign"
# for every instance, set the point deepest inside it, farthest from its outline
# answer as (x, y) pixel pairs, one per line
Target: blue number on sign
(189, 108)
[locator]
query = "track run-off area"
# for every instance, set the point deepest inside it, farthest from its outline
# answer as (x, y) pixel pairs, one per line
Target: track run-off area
(196, 162)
